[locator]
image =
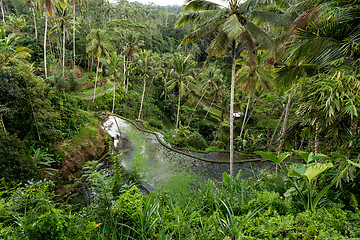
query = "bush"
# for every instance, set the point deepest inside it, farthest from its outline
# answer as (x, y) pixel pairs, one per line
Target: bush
(128, 205)
(184, 137)
(15, 165)
(51, 225)
(197, 141)
(155, 123)
(73, 82)
(322, 224)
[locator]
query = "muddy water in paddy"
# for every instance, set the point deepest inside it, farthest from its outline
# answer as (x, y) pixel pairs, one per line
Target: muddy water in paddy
(161, 167)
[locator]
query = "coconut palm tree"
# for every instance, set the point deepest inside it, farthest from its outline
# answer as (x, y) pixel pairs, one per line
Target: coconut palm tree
(98, 45)
(132, 43)
(79, 3)
(145, 67)
(254, 79)
(209, 77)
(48, 5)
(62, 23)
(231, 25)
(33, 5)
(181, 77)
(2, 11)
(113, 65)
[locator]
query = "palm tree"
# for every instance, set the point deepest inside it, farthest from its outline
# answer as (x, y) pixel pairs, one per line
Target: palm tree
(132, 44)
(48, 5)
(63, 22)
(113, 65)
(98, 44)
(216, 90)
(32, 5)
(231, 24)
(254, 79)
(2, 11)
(181, 71)
(145, 67)
(80, 3)
(209, 77)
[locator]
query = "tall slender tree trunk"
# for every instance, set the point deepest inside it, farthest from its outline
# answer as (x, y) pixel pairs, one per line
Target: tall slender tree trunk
(96, 76)
(212, 102)
(34, 17)
(45, 33)
(317, 142)
(63, 51)
(220, 124)
(232, 109)
(353, 130)
(125, 78)
(3, 125)
(142, 97)
(178, 112)
(197, 104)
(74, 45)
(244, 121)
(286, 117)
(113, 107)
(276, 128)
(2, 11)
(200, 99)
(59, 49)
(92, 61)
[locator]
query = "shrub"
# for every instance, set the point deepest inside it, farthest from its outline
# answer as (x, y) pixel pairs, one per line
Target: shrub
(127, 207)
(322, 224)
(196, 140)
(51, 225)
(155, 123)
(15, 165)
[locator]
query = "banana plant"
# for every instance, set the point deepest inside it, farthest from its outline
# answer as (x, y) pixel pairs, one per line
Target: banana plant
(309, 172)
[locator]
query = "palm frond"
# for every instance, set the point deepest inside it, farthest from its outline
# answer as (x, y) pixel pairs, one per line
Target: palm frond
(260, 36)
(304, 5)
(207, 27)
(287, 75)
(275, 19)
(232, 27)
(196, 17)
(248, 5)
(199, 5)
(219, 44)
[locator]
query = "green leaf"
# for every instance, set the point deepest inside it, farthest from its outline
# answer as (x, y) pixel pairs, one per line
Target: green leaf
(308, 171)
(354, 163)
(283, 156)
(338, 155)
(267, 156)
(272, 157)
(232, 27)
(309, 156)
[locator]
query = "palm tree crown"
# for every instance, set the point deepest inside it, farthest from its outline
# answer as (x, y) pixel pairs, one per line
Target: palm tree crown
(181, 77)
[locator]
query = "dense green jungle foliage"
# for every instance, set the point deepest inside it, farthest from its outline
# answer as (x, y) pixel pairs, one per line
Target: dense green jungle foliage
(286, 71)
